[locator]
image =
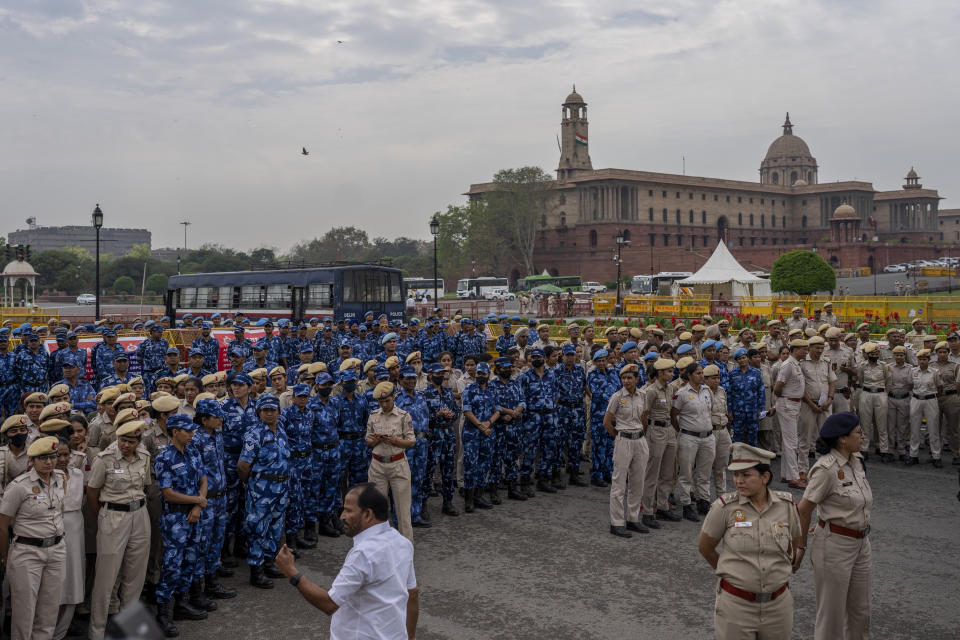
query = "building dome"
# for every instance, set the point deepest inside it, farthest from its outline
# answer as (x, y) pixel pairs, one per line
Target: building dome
(574, 97)
(912, 173)
(788, 160)
(19, 268)
(844, 212)
(788, 147)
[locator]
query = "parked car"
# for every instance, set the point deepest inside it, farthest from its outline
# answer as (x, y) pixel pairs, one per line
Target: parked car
(594, 287)
(499, 293)
(895, 268)
(86, 298)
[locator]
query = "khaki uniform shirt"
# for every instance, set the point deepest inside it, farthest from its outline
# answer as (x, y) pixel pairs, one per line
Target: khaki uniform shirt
(796, 323)
(657, 400)
(791, 375)
(694, 408)
(93, 431)
(876, 376)
(842, 357)
(757, 553)
(840, 490)
(35, 507)
(773, 344)
(817, 376)
(954, 357)
(900, 379)
(11, 465)
(626, 408)
(120, 480)
(831, 319)
(396, 423)
(949, 373)
(925, 383)
(718, 408)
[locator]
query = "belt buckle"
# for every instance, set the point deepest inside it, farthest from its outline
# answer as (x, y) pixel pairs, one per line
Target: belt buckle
(762, 597)
(863, 534)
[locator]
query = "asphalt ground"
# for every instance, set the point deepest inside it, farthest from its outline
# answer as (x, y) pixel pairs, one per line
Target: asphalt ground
(548, 568)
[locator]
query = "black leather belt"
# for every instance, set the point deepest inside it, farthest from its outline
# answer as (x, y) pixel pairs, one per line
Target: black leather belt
(542, 411)
(899, 396)
(572, 405)
(350, 435)
(272, 477)
(874, 389)
(301, 454)
(444, 427)
(325, 446)
(177, 507)
(631, 435)
(215, 494)
(949, 392)
(926, 397)
(720, 428)
(39, 542)
(697, 434)
(130, 506)
(843, 390)
(421, 434)
(232, 449)
(658, 423)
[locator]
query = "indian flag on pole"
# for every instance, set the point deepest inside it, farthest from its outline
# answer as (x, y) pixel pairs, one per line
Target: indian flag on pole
(581, 139)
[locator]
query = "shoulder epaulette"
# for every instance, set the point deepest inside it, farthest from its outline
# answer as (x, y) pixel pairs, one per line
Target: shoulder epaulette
(785, 495)
(727, 498)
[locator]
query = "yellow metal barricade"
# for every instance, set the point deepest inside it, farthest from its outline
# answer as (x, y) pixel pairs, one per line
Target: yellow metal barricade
(33, 315)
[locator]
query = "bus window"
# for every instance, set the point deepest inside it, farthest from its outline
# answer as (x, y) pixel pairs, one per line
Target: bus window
(203, 295)
(278, 296)
(188, 297)
(369, 286)
(320, 295)
(250, 296)
(225, 298)
(396, 288)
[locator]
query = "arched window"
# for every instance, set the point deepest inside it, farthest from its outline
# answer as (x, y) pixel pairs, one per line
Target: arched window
(775, 178)
(543, 221)
(803, 222)
(678, 216)
(763, 221)
(751, 219)
(691, 216)
(703, 217)
(773, 221)
(651, 214)
(593, 237)
(783, 221)
(664, 215)
(809, 177)
(563, 219)
(740, 219)
(793, 178)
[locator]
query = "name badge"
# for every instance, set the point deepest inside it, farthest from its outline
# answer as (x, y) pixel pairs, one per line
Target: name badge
(847, 484)
(177, 466)
(41, 496)
(118, 470)
(742, 524)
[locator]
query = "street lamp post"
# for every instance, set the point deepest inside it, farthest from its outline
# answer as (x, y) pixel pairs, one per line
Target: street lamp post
(434, 231)
(620, 240)
(97, 225)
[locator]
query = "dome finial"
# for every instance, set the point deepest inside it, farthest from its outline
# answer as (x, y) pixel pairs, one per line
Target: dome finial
(574, 87)
(787, 126)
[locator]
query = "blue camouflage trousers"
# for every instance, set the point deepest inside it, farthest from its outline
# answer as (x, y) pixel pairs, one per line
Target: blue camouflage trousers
(572, 430)
(509, 448)
(213, 524)
(601, 446)
(496, 455)
(9, 400)
(477, 456)
(266, 505)
(299, 489)
(745, 429)
(234, 492)
(418, 457)
(325, 478)
(354, 460)
(443, 452)
(540, 435)
(181, 543)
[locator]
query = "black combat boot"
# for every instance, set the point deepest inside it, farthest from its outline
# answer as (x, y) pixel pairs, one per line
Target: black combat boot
(164, 622)
(326, 527)
(543, 484)
(468, 500)
(198, 597)
(224, 572)
(183, 610)
(690, 513)
(424, 511)
(309, 538)
(479, 501)
(292, 545)
(494, 495)
(240, 549)
(227, 559)
(448, 509)
(575, 478)
(216, 590)
(526, 486)
(557, 481)
(270, 570)
(513, 493)
(259, 580)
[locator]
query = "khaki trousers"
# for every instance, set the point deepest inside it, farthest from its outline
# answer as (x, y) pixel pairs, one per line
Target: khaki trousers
(950, 422)
(808, 430)
(721, 459)
(123, 549)
(395, 476)
(35, 577)
(920, 409)
(873, 419)
(661, 467)
(695, 456)
(898, 424)
(788, 412)
(841, 578)
(840, 403)
(626, 484)
(737, 619)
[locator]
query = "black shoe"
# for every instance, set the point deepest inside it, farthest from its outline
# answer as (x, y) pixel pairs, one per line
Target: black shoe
(337, 522)
(227, 560)
(420, 523)
(468, 500)
(309, 538)
(526, 487)
(494, 496)
(216, 590)
(448, 509)
(326, 527)
(543, 484)
(183, 610)
(292, 545)
(956, 460)
(912, 461)
(599, 483)
(620, 531)
(198, 597)
(669, 516)
(164, 622)
(575, 478)
(270, 570)
(240, 549)
(149, 593)
(650, 522)
(424, 512)
(886, 458)
(479, 501)
(223, 572)
(937, 463)
(77, 629)
(258, 579)
(513, 493)
(636, 526)
(434, 491)
(557, 480)
(703, 507)
(690, 513)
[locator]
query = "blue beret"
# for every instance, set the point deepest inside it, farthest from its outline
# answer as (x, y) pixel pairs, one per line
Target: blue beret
(500, 362)
(739, 352)
(367, 313)
(684, 348)
(568, 349)
(303, 390)
(137, 325)
(267, 401)
(327, 327)
(216, 315)
(267, 321)
(173, 350)
(414, 321)
(484, 368)
(708, 344)
(259, 346)
(209, 407)
(626, 346)
(108, 333)
(25, 326)
(61, 337)
(206, 325)
(839, 424)
(88, 327)
(362, 326)
(303, 327)
(187, 315)
(325, 319)
(149, 323)
(239, 329)
(181, 421)
(32, 336)
(345, 343)
(349, 375)
(532, 322)
(60, 331)
(516, 318)
(165, 319)
(408, 372)
(601, 353)
(506, 325)
(241, 378)
(537, 353)
(307, 348)
(388, 337)
(653, 355)
(179, 324)
(382, 316)
(436, 367)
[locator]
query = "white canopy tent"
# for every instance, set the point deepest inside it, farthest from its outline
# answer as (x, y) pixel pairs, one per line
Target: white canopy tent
(722, 274)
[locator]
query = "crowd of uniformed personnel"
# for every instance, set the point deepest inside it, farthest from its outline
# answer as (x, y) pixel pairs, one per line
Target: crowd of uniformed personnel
(187, 468)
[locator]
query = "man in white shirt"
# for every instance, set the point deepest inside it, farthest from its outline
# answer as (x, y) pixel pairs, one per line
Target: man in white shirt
(375, 594)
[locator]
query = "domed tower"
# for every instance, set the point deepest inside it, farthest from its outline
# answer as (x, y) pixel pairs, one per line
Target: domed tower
(788, 160)
(574, 150)
(845, 224)
(912, 180)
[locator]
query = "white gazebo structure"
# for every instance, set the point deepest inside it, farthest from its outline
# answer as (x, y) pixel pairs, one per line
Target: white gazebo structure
(12, 275)
(723, 275)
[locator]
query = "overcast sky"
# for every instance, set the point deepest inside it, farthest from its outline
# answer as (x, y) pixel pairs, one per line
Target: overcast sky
(171, 111)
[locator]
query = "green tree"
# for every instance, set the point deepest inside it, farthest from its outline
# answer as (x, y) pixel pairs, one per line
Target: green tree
(123, 284)
(339, 243)
(803, 273)
(157, 283)
(139, 252)
(514, 210)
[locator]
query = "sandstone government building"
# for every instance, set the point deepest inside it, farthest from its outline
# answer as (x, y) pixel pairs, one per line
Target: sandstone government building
(674, 221)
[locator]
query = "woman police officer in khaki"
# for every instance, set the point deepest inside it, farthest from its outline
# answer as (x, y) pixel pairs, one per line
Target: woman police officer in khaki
(838, 489)
(761, 535)
(36, 560)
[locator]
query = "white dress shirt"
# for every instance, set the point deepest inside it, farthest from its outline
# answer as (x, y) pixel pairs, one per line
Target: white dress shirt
(372, 587)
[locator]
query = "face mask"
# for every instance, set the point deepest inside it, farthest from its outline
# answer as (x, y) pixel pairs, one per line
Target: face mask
(323, 392)
(437, 380)
(537, 363)
(482, 379)
(18, 440)
(147, 420)
(349, 386)
(505, 375)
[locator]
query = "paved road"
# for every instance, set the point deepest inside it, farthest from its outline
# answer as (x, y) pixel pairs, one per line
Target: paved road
(548, 569)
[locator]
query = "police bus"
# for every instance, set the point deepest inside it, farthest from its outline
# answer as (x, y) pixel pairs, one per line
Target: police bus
(658, 284)
(422, 288)
(483, 287)
(341, 291)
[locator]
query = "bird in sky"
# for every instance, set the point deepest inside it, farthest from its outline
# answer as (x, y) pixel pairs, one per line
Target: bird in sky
(339, 41)
(304, 152)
